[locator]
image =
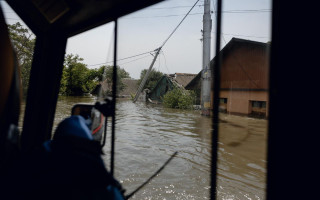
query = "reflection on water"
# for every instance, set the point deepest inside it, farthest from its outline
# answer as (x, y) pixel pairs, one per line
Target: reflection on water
(63, 110)
(242, 157)
(146, 136)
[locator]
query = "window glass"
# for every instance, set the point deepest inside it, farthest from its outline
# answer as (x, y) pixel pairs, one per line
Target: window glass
(166, 117)
(256, 104)
(245, 45)
(23, 41)
(88, 57)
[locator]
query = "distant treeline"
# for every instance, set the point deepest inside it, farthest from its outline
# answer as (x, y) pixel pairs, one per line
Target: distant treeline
(77, 78)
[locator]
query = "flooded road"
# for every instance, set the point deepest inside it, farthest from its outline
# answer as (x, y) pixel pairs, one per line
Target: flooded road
(147, 135)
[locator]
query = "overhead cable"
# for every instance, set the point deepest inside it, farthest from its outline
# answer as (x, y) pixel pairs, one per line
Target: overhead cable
(179, 24)
(161, 45)
(123, 58)
(172, 7)
(236, 59)
(135, 60)
(201, 13)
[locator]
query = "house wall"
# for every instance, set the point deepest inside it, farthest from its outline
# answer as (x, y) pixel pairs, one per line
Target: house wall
(131, 87)
(240, 102)
(245, 67)
(244, 79)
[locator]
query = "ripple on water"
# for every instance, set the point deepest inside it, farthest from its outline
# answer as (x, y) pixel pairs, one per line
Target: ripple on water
(147, 135)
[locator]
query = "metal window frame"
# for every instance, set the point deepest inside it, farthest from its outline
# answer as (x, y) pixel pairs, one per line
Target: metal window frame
(215, 73)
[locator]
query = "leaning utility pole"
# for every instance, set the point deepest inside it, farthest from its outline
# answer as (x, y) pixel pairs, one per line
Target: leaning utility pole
(158, 51)
(206, 71)
(143, 82)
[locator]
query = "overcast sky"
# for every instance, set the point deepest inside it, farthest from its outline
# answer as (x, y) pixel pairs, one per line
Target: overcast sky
(146, 30)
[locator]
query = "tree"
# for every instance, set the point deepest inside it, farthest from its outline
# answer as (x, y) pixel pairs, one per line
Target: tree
(108, 75)
(77, 79)
(23, 42)
(96, 74)
(152, 80)
(73, 76)
(179, 98)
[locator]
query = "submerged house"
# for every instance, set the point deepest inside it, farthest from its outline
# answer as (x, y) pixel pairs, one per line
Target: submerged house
(167, 82)
(129, 87)
(244, 78)
(182, 79)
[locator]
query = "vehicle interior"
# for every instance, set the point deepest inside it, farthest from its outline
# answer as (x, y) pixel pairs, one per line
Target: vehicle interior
(292, 148)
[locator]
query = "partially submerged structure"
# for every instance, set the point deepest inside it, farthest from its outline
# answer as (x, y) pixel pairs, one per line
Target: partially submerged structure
(129, 85)
(182, 79)
(244, 78)
(293, 144)
(167, 82)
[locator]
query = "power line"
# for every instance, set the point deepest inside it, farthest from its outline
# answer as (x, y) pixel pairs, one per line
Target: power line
(159, 63)
(174, 7)
(156, 49)
(165, 61)
(241, 67)
(246, 11)
(159, 16)
(157, 53)
(123, 58)
(201, 13)
(239, 35)
(179, 24)
(134, 60)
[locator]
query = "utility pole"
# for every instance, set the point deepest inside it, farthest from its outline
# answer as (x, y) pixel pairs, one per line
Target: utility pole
(146, 76)
(206, 71)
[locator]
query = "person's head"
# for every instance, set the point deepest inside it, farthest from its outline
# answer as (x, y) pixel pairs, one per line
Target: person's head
(74, 126)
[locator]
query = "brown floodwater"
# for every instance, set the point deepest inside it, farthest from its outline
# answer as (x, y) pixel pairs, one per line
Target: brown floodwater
(147, 135)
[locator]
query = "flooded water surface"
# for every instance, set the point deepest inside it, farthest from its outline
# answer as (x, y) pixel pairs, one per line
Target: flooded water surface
(147, 135)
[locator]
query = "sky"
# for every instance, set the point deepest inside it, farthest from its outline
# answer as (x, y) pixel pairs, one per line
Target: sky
(147, 29)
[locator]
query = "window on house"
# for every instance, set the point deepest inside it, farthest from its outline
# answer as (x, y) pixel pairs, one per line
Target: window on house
(244, 57)
(223, 100)
(259, 104)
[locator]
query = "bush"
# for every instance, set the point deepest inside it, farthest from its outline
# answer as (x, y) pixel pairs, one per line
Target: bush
(152, 79)
(179, 98)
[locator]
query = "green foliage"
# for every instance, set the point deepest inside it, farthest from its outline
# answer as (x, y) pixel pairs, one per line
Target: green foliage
(179, 98)
(152, 80)
(96, 74)
(77, 79)
(132, 96)
(23, 42)
(121, 73)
